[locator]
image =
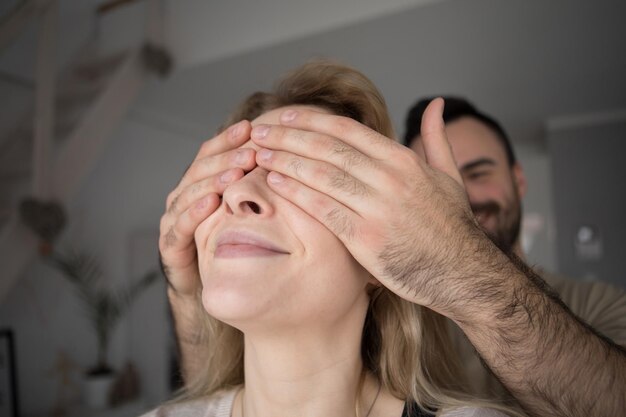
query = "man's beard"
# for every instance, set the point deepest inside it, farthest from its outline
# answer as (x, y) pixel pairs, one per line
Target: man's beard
(508, 221)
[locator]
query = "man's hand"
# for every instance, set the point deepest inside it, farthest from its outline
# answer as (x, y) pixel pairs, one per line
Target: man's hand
(405, 219)
(408, 222)
(197, 195)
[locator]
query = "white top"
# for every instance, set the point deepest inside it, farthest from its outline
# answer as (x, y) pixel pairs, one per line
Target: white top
(221, 405)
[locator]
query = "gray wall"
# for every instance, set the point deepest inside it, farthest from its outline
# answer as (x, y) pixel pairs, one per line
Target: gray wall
(115, 217)
(588, 173)
(538, 235)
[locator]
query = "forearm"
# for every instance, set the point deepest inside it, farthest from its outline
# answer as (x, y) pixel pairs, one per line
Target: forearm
(188, 334)
(553, 363)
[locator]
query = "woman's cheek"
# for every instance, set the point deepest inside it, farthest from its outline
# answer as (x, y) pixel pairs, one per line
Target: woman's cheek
(201, 237)
(205, 230)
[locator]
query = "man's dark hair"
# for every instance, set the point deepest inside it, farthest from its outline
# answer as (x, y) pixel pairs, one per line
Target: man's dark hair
(454, 109)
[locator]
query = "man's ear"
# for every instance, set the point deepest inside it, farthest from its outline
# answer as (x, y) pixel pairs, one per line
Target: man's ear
(520, 180)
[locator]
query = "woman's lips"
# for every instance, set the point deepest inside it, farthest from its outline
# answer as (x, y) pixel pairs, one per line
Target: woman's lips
(243, 251)
(243, 245)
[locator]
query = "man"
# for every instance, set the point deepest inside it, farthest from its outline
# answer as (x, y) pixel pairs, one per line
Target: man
(408, 221)
(495, 185)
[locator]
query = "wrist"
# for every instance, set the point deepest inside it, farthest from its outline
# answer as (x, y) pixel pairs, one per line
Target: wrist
(485, 287)
(505, 297)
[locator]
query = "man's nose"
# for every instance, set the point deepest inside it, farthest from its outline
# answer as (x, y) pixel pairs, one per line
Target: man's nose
(250, 196)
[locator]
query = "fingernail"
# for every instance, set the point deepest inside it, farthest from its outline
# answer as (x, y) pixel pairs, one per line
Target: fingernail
(260, 132)
(288, 116)
(275, 177)
(226, 177)
(241, 157)
(265, 154)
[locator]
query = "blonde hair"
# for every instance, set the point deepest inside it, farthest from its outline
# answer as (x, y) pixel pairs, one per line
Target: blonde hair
(337, 88)
(406, 346)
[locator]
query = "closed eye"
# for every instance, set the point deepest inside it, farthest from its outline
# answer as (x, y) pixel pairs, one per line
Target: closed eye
(478, 169)
(477, 175)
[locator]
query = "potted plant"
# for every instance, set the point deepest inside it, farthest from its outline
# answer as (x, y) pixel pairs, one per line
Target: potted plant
(104, 308)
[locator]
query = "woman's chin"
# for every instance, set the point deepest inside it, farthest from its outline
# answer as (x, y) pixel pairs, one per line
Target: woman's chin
(231, 306)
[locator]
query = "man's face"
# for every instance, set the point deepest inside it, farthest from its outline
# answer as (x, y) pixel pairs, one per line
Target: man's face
(494, 188)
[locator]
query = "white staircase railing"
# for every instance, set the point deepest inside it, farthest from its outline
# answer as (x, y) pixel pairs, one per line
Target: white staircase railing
(59, 174)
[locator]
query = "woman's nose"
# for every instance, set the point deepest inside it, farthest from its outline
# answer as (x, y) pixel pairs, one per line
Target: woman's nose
(249, 196)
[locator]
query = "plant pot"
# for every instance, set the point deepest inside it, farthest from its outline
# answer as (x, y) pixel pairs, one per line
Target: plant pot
(96, 390)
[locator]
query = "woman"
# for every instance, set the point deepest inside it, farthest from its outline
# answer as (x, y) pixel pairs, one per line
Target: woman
(294, 325)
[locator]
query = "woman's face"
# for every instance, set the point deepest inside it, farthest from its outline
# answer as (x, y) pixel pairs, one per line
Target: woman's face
(264, 261)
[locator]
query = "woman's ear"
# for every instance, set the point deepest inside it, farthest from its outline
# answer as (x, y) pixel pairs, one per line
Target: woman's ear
(372, 285)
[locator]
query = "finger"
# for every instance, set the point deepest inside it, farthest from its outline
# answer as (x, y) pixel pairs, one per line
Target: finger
(177, 232)
(179, 201)
(318, 175)
(231, 138)
(314, 146)
(360, 137)
(339, 219)
(436, 146)
(210, 165)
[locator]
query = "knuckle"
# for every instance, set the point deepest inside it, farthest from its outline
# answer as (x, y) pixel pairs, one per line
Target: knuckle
(294, 135)
(339, 148)
(171, 197)
(318, 204)
(173, 206)
(165, 241)
(170, 238)
(348, 156)
(339, 222)
(344, 124)
(353, 159)
(373, 138)
(205, 163)
(338, 180)
(196, 187)
(345, 182)
(295, 166)
(320, 172)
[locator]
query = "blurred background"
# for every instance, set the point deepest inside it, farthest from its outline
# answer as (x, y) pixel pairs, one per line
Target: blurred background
(103, 104)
